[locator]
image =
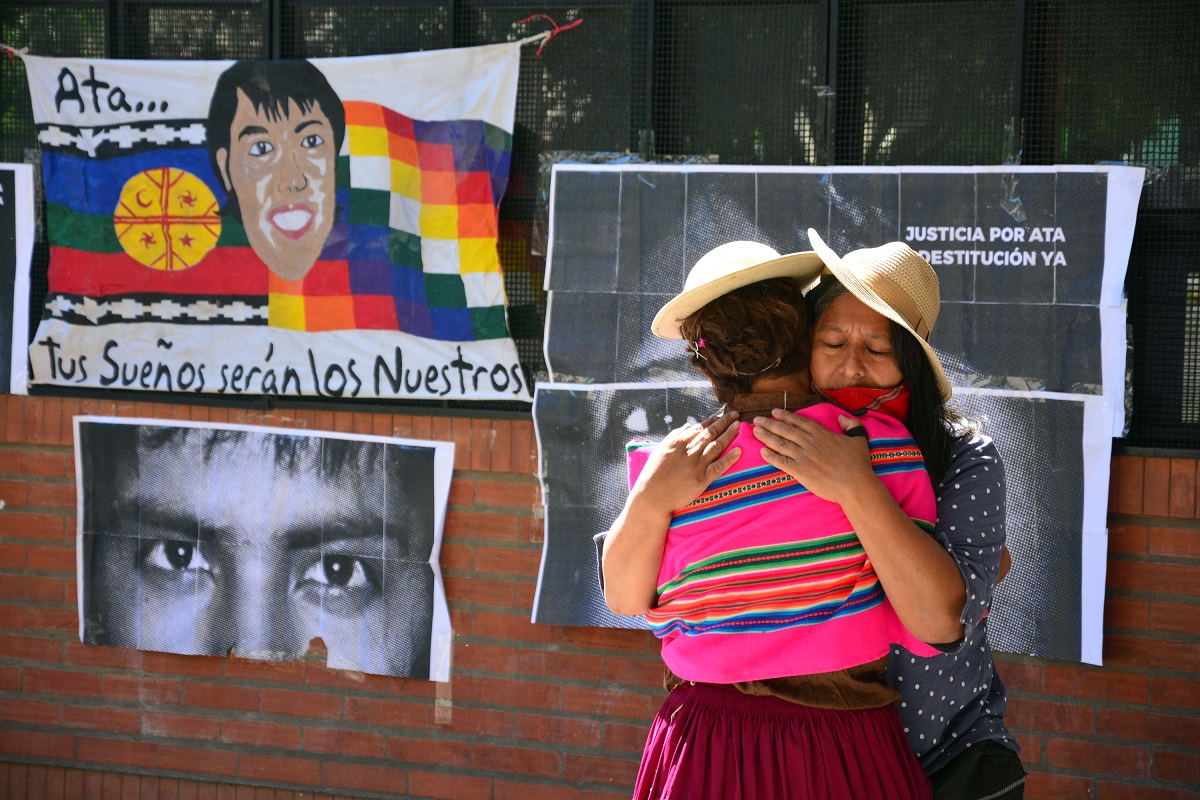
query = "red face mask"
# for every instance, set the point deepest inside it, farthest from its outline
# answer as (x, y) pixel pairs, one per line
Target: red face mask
(857, 400)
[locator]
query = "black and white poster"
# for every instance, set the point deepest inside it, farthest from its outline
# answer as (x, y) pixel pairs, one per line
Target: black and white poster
(1031, 262)
(16, 253)
(204, 540)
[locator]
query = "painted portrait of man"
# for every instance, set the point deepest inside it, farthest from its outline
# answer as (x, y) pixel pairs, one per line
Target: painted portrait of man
(203, 540)
(274, 132)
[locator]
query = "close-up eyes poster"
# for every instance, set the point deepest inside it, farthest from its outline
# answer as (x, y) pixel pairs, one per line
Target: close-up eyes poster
(204, 540)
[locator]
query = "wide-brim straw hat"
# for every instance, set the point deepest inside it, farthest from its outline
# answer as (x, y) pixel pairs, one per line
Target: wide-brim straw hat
(728, 267)
(895, 281)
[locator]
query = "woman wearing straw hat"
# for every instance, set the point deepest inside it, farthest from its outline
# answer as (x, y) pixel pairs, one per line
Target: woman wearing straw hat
(871, 351)
(873, 312)
(775, 627)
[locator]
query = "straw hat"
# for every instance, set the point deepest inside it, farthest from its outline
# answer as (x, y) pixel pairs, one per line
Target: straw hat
(895, 281)
(728, 267)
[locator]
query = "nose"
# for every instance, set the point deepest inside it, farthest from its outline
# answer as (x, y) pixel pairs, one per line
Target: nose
(292, 177)
(259, 608)
(853, 365)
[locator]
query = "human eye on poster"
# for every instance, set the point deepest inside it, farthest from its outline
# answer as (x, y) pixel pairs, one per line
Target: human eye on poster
(207, 540)
(1031, 263)
(323, 228)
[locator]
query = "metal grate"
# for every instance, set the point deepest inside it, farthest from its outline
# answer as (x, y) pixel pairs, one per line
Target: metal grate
(764, 81)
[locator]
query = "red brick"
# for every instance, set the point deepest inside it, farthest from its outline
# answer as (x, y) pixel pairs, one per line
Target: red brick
(1181, 693)
(61, 682)
(608, 703)
(443, 752)
(116, 751)
(1121, 612)
(1047, 786)
(636, 672)
(1140, 726)
(626, 639)
(319, 675)
(1094, 684)
(279, 769)
(1093, 757)
(12, 493)
(524, 452)
(532, 529)
(1127, 539)
(144, 691)
(507, 561)
(1178, 767)
(577, 732)
(1177, 542)
(12, 555)
(500, 445)
(94, 655)
(391, 713)
(525, 694)
(479, 721)
(45, 619)
(364, 778)
(12, 618)
(101, 718)
(172, 664)
(51, 495)
(301, 704)
(1048, 716)
(478, 591)
(514, 627)
(462, 492)
(1017, 675)
(595, 769)
(448, 787)
(180, 726)
(516, 760)
(1156, 487)
(14, 742)
(1150, 653)
(220, 695)
(28, 647)
(34, 711)
(460, 557)
(511, 790)
(260, 734)
(481, 526)
(356, 744)
(267, 671)
(1129, 485)
(508, 494)
(1183, 488)
(1108, 790)
(26, 462)
(209, 761)
(552, 664)
(10, 679)
(32, 526)
(1139, 576)
(630, 738)
(31, 587)
(1175, 617)
(485, 657)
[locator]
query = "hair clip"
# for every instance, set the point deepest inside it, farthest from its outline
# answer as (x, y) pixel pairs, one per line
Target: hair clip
(695, 348)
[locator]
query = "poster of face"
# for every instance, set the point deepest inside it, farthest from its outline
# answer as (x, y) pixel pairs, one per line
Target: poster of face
(322, 228)
(1031, 332)
(205, 540)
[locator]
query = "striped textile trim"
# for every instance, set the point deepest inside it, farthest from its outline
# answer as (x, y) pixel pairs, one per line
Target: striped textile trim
(768, 588)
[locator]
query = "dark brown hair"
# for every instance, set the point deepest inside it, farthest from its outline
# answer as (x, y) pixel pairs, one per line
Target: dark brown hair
(933, 424)
(757, 331)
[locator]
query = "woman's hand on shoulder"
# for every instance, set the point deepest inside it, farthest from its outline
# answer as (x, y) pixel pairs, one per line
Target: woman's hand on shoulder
(684, 463)
(831, 465)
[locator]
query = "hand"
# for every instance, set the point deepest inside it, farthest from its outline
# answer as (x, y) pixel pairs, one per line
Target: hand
(832, 466)
(687, 461)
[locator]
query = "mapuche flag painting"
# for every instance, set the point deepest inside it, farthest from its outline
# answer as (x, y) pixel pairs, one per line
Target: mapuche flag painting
(323, 228)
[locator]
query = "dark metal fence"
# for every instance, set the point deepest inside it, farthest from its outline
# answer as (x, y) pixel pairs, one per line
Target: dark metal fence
(771, 82)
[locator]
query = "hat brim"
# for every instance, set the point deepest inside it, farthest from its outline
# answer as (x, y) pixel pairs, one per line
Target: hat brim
(805, 267)
(849, 278)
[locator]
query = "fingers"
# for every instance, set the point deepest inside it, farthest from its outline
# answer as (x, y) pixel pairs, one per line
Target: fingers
(722, 464)
(718, 423)
(718, 445)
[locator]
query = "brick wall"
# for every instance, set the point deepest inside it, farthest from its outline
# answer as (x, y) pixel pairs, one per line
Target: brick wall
(532, 711)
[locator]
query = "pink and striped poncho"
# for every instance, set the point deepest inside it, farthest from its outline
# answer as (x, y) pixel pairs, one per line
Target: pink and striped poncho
(762, 579)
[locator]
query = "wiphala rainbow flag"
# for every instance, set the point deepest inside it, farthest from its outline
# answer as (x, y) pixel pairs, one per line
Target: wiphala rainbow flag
(328, 223)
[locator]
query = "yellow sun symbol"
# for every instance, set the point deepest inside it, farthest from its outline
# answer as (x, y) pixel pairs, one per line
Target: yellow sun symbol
(167, 219)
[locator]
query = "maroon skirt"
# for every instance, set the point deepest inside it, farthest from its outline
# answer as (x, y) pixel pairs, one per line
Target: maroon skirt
(712, 741)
